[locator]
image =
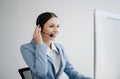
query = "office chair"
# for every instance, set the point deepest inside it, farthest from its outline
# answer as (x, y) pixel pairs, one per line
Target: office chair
(25, 73)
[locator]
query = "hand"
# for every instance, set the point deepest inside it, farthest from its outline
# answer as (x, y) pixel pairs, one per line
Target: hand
(37, 35)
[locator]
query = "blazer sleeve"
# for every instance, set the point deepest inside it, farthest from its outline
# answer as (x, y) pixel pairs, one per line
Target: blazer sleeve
(36, 59)
(70, 71)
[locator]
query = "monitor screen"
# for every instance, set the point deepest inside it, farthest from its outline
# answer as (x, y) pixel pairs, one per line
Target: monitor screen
(107, 45)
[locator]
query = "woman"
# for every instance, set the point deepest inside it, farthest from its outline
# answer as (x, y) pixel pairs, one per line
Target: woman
(46, 59)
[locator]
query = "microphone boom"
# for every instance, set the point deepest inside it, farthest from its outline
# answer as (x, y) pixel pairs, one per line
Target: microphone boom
(51, 35)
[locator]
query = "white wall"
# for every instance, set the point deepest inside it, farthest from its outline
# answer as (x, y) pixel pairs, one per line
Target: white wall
(17, 23)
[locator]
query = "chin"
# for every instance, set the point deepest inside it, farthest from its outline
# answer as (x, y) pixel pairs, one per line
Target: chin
(52, 39)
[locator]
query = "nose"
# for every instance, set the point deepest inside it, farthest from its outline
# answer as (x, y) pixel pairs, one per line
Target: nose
(56, 29)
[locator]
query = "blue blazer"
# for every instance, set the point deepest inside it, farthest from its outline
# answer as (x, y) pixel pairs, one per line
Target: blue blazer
(41, 65)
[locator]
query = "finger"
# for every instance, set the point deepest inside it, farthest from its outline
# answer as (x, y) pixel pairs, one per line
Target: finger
(35, 32)
(39, 32)
(40, 29)
(38, 26)
(36, 29)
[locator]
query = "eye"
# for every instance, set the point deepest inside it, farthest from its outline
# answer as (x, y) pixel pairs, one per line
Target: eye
(51, 26)
(58, 26)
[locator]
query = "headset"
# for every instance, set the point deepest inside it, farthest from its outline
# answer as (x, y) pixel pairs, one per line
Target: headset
(51, 35)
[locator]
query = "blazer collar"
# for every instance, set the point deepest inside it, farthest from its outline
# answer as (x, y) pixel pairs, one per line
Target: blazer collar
(60, 49)
(54, 46)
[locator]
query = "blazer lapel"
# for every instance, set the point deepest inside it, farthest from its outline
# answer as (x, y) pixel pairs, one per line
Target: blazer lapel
(59, 48)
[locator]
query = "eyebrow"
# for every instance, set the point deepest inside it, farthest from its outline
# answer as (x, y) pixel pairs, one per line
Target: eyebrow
(54, 24)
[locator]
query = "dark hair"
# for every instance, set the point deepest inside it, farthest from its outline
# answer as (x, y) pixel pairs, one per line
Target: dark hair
(44, 17)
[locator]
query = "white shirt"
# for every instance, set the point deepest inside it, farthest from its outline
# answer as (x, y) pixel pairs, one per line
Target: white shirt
(55, 56)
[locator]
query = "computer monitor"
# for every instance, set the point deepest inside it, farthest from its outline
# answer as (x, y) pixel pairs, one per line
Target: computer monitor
(106, 45)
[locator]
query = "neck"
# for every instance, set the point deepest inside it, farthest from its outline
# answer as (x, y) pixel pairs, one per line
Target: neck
(48, 43)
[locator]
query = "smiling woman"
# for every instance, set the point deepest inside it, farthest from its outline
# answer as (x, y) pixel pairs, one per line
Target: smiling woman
(45, 58)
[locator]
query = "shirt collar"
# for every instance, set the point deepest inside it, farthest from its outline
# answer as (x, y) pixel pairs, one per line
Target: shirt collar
(53, 47)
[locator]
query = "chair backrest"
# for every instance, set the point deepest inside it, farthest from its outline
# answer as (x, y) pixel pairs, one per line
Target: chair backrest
(25, 73)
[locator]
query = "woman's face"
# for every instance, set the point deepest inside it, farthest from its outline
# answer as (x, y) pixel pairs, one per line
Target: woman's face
(51, 27)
